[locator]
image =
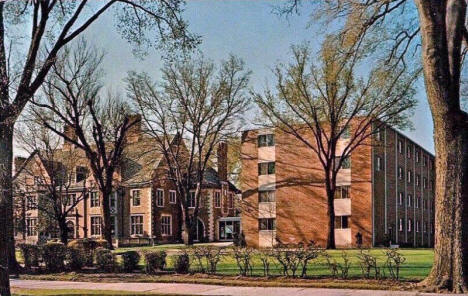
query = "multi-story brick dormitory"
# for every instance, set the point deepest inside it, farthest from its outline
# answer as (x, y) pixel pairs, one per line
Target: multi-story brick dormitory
(144, 205)
(385, 192)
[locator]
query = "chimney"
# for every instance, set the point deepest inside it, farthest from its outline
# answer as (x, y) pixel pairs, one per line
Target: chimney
(222, 161)
(134, 132)
(68, 131)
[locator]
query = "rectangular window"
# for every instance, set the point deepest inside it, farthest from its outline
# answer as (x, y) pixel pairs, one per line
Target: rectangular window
(410, 200)
(400, 198)
(231, 201)
(267, 224)
(31, 229)
(113, 200)
(346, 164)
(342, 192)
(217, 199)
(31, 202)
(418, 180)
(431, 228)
(416, 202)
(408, 151)
(400, 173)
(424, 182)
(81, 173)
(192, 200)
(417, 225)
(159, 197)
(378, 163)
(400, 146)
(94, 198)
(267, 196)
(166, 227)
(70, 200)
(410, 225)
(136, 197)
(172, 197)
(425, 227)
(432, 185)
(378, 134)
(96, 225)
(410, 176)
(400, 227)
(416, 155)
(136, 225)
(112, 224)
(341, 222)
(266, 168)
(425, 160)
(425, 204)
(266, 140)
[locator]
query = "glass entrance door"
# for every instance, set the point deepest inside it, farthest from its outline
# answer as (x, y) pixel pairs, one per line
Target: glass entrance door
(228, 229)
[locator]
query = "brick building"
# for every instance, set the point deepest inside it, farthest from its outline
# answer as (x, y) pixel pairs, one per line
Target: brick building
(144, 205)
(385, 192)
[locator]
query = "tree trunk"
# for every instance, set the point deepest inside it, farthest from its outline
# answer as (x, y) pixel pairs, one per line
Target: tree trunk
(187, 231)
(331, 212)
(441, 25)
(106, 225)
(6, 208)
(63, 231)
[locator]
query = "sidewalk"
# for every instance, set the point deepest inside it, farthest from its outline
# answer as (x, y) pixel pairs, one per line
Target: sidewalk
(195, 289)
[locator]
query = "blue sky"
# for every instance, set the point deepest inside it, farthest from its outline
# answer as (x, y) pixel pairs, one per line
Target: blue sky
(248, 29)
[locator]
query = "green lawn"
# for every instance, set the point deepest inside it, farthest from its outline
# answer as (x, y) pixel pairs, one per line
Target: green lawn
(47, 292)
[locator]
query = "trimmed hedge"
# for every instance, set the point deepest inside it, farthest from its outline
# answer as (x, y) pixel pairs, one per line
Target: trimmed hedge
(155, 261)
(105, 259)
(31, 255)
(130, 261)
(54, 255)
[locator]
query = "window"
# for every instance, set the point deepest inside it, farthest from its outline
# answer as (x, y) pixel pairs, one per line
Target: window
(400, 173)
(378, 163)
(400, 198)
(341, 222)
(424, 182)
(400, 146)
(410, 176)
(400, 226)
(432, 185)
(192, 200)
(408, 151)
(81, 173)
(166, 227)
(425, 227)
(432, 164)
(346, 164)
(31, 202)
(418, 180)
(96, 225)
(112, 224)
(217, 199)
(410, 200)
(172, 197)
(70, 200)
(378, 134)
(266, 140)
(159, 198)
(431, 228)
(136, 225)
(266, 196)
(342, 192)
(416, 155)
(31, 229)
(345, 133)
(266, 168)
(424, 160)
(113, 200)
(267, 224)
(417, 225)
(94, 197)
(231, 201)
(416, 202)
(136, 197)
(410, 225)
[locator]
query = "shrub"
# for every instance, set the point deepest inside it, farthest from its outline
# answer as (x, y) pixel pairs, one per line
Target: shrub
(394, 262)
(76, 258)
(88, 246)
(243, 258)
(155, 261)
(337, 268)
(101, 243)
(210, 255)
(31, 255)
(294, 256)
(368, 264)
(105, 259)
(182, 263)
(54, 255)
(130, 260)
(266, 257)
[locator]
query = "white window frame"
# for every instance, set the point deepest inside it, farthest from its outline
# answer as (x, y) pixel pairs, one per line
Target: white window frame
(142, 225)
(91, 225)
(194, 200)
(230, 200)
(409, 201)
(91, 199)
(410, 225)
(31, 230)
(417, 225)
(217, 196)
(170, 225)
(132, 194)
(159, 194)
(400, 226)
(400, 146)
(409, 176)
(400, 198)
(170, 197)
(379, 163)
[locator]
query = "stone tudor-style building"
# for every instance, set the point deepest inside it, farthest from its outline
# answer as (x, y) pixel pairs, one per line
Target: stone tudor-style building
(386, 192)
(144, 207)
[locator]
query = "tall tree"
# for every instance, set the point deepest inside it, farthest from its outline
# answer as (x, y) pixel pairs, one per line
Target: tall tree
(56, 171)
(56, 23)
(195, 107)
(440, 26)
(95, 124)
(332, 110)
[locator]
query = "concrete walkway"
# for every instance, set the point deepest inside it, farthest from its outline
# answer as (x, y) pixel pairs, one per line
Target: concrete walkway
(195, 289)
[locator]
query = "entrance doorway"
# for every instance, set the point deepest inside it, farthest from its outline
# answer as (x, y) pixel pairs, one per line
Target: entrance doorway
(229, 228)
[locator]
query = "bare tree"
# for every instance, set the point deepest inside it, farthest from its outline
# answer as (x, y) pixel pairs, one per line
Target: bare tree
(195, 107)
(57, 174)
(437, 31)
(57, 23)
(72, 98)
(332, 110)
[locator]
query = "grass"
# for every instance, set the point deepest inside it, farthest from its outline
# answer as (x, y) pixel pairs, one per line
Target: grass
(417, 266)
(44, 292)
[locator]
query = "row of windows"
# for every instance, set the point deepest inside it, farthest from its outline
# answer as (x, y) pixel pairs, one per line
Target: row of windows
(409, 201)
(416, 226)
(268, 168)
(136, 225)
(95, 201)
(409, 153)
(269, 139)
(341, 222)
(270, 196)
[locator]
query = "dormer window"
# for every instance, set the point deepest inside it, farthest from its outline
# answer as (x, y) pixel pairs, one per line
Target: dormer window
(81, 173)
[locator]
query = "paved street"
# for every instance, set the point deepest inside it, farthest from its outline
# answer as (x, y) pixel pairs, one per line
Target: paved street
(194, 289)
